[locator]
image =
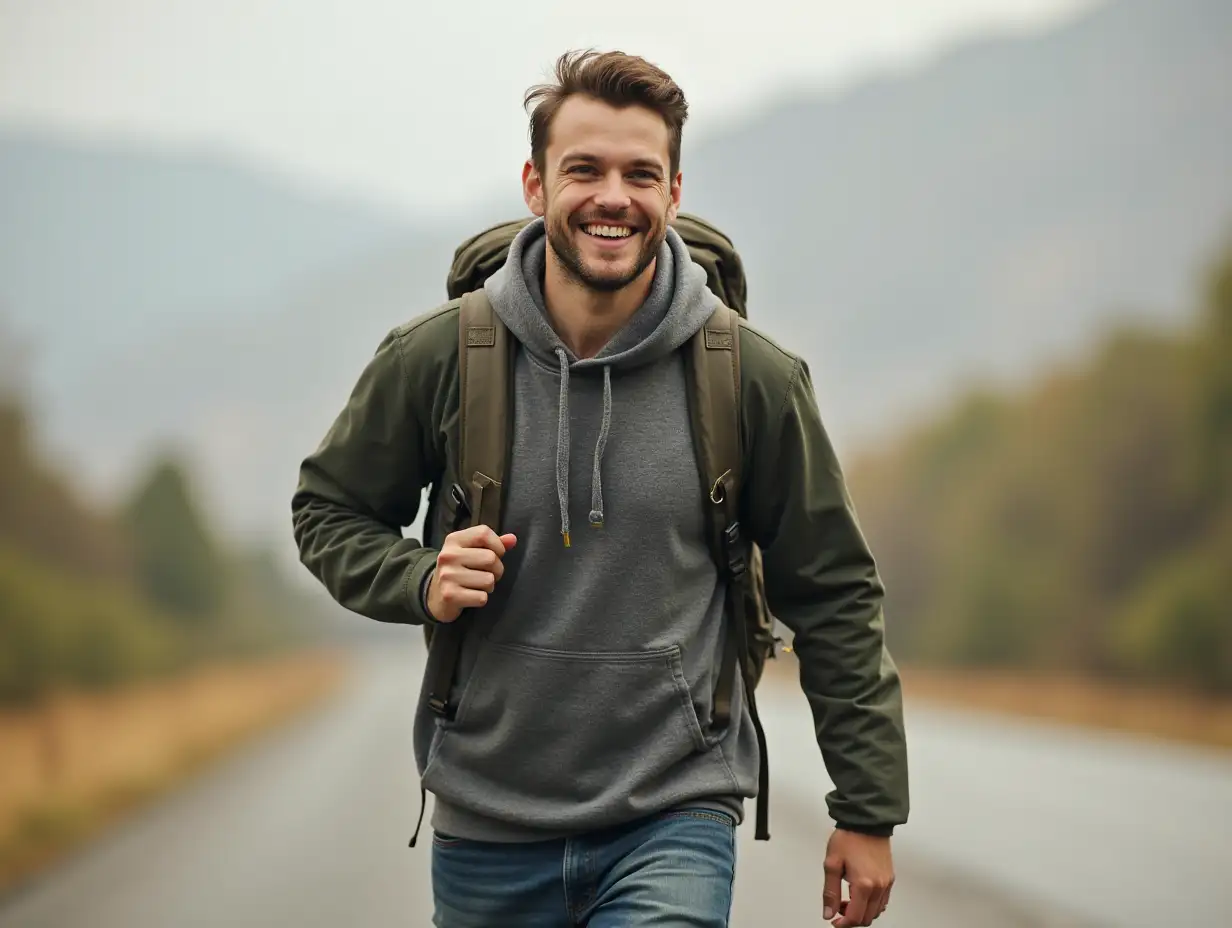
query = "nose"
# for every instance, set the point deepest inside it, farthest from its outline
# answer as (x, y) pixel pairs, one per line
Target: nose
(612, 195)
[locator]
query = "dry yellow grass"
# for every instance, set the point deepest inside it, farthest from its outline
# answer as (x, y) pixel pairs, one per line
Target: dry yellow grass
(1154, 711)
(1159, 712)
(75, 761)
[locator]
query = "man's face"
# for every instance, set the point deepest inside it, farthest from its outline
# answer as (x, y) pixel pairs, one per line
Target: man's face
(605, 194)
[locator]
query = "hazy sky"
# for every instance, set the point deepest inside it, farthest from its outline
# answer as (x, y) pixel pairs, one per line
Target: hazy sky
(382, 97)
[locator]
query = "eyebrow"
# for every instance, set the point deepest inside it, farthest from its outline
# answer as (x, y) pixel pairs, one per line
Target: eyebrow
(646, 163)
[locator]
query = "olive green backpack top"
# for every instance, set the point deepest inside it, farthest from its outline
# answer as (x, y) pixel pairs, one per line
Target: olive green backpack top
(712, 361)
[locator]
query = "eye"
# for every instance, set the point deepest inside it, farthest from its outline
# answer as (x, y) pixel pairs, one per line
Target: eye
(581, 169)
(644, 176)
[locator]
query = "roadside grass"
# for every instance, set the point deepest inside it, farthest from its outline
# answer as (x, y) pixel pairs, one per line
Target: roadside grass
(76, 763)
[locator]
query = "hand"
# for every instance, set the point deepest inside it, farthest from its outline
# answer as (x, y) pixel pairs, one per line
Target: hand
(467, 568)
(864, 861)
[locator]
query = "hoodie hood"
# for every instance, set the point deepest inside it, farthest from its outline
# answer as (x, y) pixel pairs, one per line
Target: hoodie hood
(678, 305)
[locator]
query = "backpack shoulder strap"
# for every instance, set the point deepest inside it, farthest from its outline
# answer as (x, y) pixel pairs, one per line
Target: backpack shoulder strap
(483, 431)
(484, 367)
(715, 406)
(714, 373)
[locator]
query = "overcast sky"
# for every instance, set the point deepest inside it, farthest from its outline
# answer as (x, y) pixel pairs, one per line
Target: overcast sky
(380, 98)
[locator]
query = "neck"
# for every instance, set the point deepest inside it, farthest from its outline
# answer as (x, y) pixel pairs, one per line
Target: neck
(586, 319)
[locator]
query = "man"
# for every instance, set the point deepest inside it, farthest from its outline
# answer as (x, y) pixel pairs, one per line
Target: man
(579, 780)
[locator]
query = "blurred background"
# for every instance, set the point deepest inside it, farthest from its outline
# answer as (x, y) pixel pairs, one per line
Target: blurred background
(1000, 233)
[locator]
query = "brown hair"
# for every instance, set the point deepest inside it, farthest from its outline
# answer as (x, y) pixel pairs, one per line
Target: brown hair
(617, 79)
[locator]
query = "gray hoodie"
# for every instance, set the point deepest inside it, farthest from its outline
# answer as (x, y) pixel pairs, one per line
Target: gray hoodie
(584, 688)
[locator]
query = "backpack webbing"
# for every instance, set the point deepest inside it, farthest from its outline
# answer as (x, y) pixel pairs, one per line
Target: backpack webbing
(714, 372)
(483, 435)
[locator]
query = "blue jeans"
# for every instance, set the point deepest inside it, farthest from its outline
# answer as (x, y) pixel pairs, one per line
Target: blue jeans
(674, 869)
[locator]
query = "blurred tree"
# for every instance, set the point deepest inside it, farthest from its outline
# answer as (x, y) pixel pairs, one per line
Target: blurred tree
(58, 628)
(1085, 524)
(39, 513)
(1214, 364)
(1179, 626)
(88, 597)
(178, 564)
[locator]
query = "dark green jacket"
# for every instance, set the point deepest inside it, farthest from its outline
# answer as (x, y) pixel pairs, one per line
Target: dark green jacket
(397, 436)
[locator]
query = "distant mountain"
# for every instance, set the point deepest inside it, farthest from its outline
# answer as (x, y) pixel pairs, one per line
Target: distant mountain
(979, 215)
(126, 246)
(987, 212)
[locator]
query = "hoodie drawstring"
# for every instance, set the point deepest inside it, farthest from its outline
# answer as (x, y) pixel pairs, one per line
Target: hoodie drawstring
(562, 449)
(596, 484)
(562, 445)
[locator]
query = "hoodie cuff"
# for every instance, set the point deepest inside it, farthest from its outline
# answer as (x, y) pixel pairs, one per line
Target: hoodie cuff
(417, 589)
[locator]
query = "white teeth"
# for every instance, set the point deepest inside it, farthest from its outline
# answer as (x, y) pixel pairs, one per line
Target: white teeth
(609, 231)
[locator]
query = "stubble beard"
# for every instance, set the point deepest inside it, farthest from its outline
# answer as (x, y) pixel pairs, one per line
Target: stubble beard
(561, 241)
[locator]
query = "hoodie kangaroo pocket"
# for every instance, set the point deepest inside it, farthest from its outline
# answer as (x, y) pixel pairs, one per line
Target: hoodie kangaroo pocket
(538, 728)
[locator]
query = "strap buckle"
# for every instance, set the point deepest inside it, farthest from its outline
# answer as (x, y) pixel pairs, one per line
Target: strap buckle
(461, 506)
(733, 548)
(441, 708)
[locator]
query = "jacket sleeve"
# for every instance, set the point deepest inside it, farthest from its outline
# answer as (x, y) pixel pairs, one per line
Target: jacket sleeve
(361, 486)
(822, 584)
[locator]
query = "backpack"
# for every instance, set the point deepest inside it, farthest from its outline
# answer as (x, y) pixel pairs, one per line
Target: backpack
(712, 360)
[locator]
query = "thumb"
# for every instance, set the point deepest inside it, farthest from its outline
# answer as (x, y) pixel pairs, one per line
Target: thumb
(832, 892)
(509, 541)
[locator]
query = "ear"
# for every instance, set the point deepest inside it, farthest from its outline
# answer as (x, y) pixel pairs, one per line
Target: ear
(532, 189)
(674, 205)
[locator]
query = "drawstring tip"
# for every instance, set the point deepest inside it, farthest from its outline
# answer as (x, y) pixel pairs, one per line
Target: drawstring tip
(568, 543)
(596, 519)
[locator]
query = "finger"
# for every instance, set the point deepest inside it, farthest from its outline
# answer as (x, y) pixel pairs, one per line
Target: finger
(473, 536)
(484, 537)
(460, 598)
(885, 896)
(832, 892)
(469, 579)
(857, 906)
(876, 905)
(479, 559)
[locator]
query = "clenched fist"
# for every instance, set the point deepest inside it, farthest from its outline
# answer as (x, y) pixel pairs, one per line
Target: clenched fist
(467, 568)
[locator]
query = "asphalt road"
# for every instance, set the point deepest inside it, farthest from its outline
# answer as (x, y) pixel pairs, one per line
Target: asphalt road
(1014, 825)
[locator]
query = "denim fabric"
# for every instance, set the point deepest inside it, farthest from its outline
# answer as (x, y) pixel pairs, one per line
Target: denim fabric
(674, 869)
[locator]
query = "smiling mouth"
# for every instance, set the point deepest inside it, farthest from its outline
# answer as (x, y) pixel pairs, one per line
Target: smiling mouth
(607, 232)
